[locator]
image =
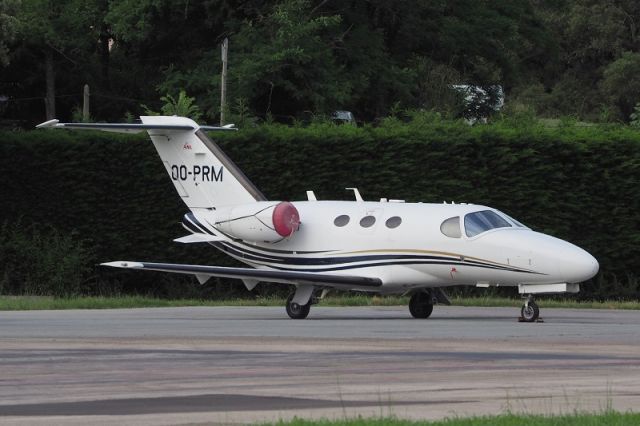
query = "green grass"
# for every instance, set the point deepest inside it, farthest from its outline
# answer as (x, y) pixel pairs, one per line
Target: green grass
(14, 303)
(609, 418)
(17, 303)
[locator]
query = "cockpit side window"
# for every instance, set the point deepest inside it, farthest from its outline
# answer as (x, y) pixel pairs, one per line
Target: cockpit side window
(479, 222)
(451, 227)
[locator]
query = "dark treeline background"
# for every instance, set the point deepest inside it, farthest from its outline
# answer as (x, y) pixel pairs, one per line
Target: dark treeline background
(72, 200)
(290, 59)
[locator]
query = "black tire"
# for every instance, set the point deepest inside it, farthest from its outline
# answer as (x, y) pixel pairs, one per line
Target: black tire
(296, 311)
(420, 305)
(530, 312)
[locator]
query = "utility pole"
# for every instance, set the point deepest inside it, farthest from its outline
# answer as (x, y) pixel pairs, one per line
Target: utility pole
(85, 104)
(223, 86)
(50, 78)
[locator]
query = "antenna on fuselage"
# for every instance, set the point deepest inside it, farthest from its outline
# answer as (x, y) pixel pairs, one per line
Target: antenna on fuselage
(356, 193)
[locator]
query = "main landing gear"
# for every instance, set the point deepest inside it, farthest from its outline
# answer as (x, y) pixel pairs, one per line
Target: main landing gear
(421, 305)
(530, 311)
(296, 311)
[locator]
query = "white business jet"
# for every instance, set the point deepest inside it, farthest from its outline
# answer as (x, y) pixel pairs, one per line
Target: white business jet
(384, 247)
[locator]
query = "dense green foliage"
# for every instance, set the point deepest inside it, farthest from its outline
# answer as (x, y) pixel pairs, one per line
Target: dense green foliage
(295, 59)
(36, 261)
(577, 183)
(8, 27)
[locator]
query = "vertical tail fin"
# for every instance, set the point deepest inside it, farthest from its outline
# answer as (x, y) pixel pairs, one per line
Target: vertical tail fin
(201, 172)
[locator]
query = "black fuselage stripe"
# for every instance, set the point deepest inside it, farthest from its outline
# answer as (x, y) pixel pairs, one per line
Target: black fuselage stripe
(195, 221)
(401, 262)
(354, 259)
(389, 261)
(191, 227)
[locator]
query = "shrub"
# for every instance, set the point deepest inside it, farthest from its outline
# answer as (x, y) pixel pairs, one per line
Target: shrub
(39, 260)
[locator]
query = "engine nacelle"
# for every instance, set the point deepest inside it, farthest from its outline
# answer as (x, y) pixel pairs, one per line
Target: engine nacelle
(265, 221)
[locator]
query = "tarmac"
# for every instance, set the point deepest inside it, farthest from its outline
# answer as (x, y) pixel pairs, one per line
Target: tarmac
(228, 365)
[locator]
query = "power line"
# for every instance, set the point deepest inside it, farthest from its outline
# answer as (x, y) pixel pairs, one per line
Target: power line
(41, 97)
(79, 95)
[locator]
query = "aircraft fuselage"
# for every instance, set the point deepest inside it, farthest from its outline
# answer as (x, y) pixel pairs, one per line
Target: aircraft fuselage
(404, 245)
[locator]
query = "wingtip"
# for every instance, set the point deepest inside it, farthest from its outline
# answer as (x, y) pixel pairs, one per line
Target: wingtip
(219, 128)
(49, 123)
(123, 264)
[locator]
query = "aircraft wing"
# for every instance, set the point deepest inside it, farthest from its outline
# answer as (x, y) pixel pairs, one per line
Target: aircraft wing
(203, 273)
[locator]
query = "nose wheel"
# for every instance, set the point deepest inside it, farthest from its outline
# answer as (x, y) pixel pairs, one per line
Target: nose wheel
(530, 311)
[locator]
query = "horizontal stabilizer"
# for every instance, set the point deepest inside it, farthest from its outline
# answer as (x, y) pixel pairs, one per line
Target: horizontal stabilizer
(198, 238)
(128, 127)
(202, 174)
(269, 275)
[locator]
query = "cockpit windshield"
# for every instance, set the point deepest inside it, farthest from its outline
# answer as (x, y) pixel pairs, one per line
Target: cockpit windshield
(482, 221)
(515, 222)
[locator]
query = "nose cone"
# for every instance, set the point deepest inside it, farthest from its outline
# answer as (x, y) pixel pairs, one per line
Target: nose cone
(577, 265)
(555, 260)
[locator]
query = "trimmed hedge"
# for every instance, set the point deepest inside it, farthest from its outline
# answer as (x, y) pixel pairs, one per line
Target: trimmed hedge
(577, 183)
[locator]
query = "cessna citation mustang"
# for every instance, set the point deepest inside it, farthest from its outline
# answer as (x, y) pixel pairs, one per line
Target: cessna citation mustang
(385, 247)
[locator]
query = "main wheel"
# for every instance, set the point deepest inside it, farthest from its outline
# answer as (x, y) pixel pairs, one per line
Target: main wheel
(296, 311)
(420, 305)
(530, 312)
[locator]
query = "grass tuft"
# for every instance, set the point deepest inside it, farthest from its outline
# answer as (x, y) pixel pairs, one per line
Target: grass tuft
(608, 418)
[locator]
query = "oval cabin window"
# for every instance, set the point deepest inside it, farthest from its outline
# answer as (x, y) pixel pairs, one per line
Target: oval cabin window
(393, 222)
(367, 221)
(341, 220)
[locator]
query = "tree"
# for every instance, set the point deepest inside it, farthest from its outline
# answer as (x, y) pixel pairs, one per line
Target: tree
(291, 57)
(412, 52)
(621, 82)
(8, 27)
(285, 63)
(169, 46)
(62, 33)
(183, 106)
(591, 34)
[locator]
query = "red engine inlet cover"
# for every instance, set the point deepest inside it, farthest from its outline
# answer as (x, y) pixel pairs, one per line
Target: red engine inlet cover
(286, 219)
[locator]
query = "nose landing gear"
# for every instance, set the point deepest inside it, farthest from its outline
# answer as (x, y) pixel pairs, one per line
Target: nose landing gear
(297, 311)
(530, 311)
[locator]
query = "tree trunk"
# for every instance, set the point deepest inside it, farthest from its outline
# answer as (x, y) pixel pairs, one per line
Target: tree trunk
(105, 39)
(50, 79)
